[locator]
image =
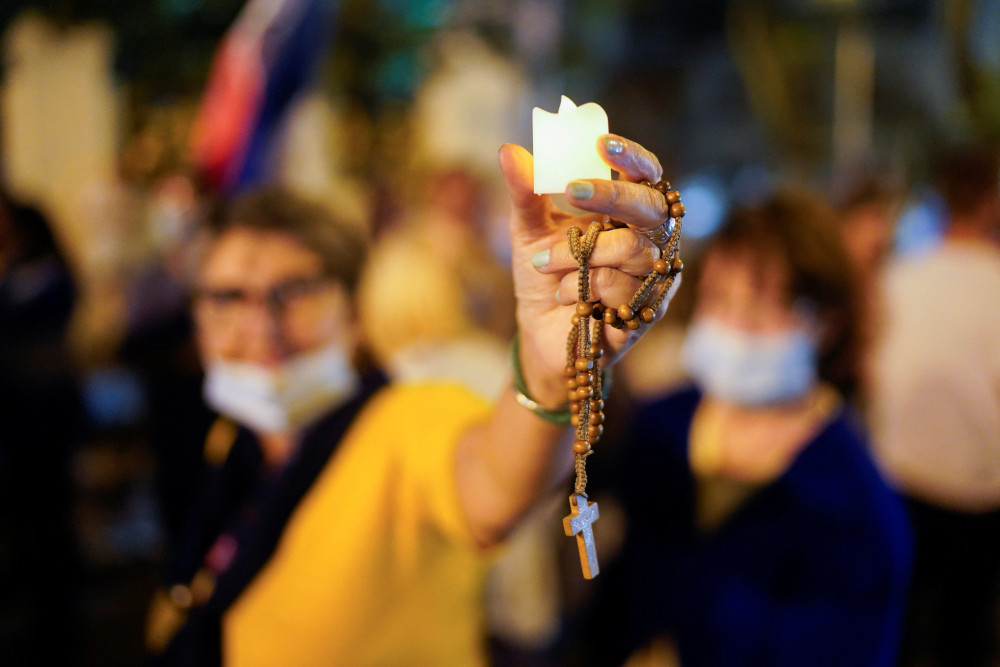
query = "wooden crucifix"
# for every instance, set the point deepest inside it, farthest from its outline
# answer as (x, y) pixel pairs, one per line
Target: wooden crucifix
(579, 523)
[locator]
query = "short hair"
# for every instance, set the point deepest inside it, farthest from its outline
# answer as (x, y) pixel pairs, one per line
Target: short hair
(967, 175)
(800, 229)
(341, 245)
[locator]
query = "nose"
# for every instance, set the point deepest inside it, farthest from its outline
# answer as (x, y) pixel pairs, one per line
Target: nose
(263, 340)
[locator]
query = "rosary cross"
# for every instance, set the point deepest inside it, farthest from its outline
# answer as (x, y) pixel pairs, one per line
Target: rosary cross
(580, 523)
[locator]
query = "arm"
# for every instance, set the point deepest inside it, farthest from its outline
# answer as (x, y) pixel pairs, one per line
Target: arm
(506, 463)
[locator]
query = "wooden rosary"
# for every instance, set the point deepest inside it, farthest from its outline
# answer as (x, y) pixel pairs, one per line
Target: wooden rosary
(583, 351)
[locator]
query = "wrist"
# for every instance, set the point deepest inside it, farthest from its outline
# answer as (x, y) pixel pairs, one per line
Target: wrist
(556, 396)
(560, 416)
(534, 378)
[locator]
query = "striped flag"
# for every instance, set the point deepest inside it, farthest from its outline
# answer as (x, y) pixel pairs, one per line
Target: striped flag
(270, 54)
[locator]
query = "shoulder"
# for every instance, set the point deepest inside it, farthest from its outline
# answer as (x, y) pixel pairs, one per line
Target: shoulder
(428, 400)
(420, 413)
(840, 484)
(677, 405)
(657, 434)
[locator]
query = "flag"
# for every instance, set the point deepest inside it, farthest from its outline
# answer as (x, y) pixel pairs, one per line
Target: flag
(270, 54)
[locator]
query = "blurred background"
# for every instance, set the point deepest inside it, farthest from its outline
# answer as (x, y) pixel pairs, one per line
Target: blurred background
(110, 143)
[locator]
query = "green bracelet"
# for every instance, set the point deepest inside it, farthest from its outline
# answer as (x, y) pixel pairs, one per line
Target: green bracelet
(560, 417)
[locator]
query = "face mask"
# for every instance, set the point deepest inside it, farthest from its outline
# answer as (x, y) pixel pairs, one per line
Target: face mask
(284, 398)
(750, 369)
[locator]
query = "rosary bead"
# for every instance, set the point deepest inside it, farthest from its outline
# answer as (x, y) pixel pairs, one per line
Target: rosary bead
(610, 316)
(598, 311)
(581, 446)
(595, 432)
(574, 320)
(677, 210)
(663, 187)
(584, 364)
(625, 312)
(571, 383)
(571, 394)
(584, 378)
(569, 371)
(595, 418)
(646, 183)
(597, 404)
(574, 405)
(672, 196)
(661, 266)
(647, 315)
(574, 420)
(584, 392)
(677, 265)
(634, 324)
(584, 309)
(596, 351)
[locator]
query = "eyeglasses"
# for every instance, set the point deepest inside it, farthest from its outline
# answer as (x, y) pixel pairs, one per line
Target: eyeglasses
(293, 302)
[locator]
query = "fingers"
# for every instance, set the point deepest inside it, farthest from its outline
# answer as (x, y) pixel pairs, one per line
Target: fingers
(609, 286)
(518, 170)
(637, 205)
(628, 158)
(621, 249)
(531, 216)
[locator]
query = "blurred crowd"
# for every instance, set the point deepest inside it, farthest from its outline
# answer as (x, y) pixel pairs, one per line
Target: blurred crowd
(802, 460)
(797, 292)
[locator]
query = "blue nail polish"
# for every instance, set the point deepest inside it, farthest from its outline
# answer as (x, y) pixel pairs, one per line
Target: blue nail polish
(581, 189)
(614, 146)
(541, 258)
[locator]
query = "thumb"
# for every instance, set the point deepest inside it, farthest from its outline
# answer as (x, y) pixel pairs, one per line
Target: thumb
(530, 210)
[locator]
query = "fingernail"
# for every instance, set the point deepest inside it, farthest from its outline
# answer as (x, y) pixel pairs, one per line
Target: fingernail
(541, 258)
(581, 189)
(614, 145)
(557, 295)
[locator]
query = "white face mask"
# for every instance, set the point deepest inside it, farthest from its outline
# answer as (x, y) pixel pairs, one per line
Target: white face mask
(750, 369)
(285, 398)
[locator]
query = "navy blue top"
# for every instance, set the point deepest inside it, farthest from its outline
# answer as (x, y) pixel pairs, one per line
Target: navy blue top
(811, 570)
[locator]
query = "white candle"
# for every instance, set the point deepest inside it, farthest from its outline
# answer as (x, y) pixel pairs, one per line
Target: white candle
(565, 145)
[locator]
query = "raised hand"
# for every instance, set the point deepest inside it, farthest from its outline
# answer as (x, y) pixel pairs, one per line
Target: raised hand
(546, 274)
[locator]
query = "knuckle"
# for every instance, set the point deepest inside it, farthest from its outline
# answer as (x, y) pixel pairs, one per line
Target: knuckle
(614, 196)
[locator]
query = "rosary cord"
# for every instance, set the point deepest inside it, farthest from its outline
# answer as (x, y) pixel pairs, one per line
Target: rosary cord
(580, 488)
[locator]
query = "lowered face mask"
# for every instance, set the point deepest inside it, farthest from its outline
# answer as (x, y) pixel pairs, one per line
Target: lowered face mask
(750, 369)
(284, 398)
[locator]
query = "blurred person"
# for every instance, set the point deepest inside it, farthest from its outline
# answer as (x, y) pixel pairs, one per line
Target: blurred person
(936, 416)
(40, 419)
(347, 521)
(456, 317)
(453, 323)
(868, 210)
(158, 343)
(759, 530)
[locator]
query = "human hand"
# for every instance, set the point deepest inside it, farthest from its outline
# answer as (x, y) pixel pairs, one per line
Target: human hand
(546, 285)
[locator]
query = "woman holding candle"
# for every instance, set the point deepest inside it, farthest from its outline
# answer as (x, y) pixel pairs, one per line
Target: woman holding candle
(350, 519)
(759, 530)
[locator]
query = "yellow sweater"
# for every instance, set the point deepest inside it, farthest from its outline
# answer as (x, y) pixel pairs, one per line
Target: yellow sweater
(376, 565)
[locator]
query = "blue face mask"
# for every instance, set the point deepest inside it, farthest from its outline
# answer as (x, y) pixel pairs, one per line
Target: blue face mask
(750, 369)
